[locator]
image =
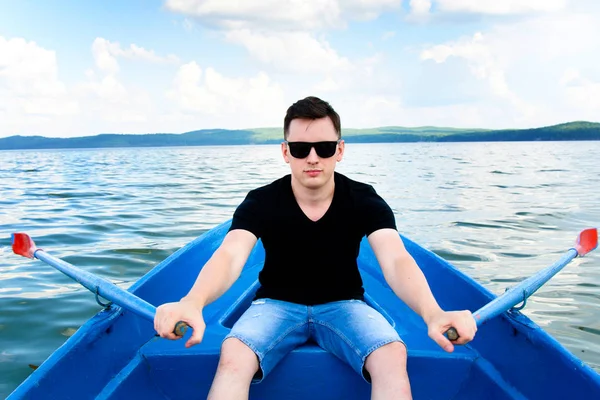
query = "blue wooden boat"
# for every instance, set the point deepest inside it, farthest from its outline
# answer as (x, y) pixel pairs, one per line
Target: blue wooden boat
(117, 355)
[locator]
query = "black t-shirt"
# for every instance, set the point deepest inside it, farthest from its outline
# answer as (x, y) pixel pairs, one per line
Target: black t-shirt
(312, 262)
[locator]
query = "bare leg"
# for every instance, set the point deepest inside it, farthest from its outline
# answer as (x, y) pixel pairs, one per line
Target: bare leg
(387, 367)
(237, 366)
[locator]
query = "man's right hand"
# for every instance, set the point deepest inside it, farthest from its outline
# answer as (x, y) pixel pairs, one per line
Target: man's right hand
(168, 314)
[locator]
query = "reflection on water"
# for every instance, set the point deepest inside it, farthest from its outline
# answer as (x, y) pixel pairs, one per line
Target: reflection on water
(498, 211)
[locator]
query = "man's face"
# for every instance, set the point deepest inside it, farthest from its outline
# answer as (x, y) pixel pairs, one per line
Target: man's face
(312, 171)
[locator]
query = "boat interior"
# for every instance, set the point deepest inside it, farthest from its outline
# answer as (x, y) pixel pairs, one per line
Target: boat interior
(131, 361)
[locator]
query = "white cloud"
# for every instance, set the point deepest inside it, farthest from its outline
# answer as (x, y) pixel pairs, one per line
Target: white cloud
(283, 34)
(551, 61)
(311, 15)
(105, 56)
(389, 110)
(103, 91)
(28, 70)
(484, 64)
(481, 60)
(37, 102)
(136, 51)
(586, 97)
(30, 87)
(419, 9)
(210, 96)
(261, 14)
(534, 63)
(291, 51)
(106, 96)
(500, 7)
(570, 75)
(538, 71)
(367, 9)
(327, 85)
(364, 78)
(580, 92)
(34, 100)
(382, 104)
(306, 15)
(106, 52)
(107, 88)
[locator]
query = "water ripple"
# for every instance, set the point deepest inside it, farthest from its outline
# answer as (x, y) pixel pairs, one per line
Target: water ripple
(497, 211)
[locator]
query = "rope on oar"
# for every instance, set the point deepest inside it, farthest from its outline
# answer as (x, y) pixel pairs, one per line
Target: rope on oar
(103, 305)
(522, 306)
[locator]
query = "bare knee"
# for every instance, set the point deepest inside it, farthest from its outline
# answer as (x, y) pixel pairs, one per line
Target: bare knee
(237, 366)
(237, 358)
(388, 359)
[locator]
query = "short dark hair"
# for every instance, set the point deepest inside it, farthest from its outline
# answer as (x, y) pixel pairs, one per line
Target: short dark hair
(311, 108)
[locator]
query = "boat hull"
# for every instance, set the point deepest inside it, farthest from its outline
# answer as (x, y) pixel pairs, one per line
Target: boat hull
(116, 354)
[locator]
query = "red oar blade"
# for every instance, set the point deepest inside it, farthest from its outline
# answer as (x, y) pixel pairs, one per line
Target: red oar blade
(23, 245)
(587, 241)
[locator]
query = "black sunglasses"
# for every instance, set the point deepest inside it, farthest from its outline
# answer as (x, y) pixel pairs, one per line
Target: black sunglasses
(302, 149)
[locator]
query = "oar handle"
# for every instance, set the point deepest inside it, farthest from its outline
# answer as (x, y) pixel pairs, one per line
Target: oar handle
(451, 334)
(180, 328)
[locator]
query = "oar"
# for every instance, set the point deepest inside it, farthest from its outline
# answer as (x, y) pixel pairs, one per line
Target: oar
(23, 245)
(586, 242)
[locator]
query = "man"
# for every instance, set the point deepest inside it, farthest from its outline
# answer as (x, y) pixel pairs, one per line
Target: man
(311, 223)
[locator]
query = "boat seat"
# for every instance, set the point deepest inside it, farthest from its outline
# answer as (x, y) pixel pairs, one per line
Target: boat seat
(222, 315)
(307, 366)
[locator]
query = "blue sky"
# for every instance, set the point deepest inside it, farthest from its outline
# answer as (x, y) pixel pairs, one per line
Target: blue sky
(78, 68)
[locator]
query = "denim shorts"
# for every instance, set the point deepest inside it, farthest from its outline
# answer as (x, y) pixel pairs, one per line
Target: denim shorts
(349, 329)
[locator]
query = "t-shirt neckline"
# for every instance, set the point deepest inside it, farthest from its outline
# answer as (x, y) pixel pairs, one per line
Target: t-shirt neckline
(292, 198)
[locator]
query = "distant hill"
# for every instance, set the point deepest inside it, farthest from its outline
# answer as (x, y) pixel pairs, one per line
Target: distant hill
(579, 130)
(569, 131)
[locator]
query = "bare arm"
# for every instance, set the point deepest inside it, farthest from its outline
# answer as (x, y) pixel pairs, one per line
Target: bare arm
(217, 275)
(407, 281)
(222, 269)
(403, 274)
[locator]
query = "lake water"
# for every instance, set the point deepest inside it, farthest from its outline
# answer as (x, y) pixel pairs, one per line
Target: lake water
(498, 211)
